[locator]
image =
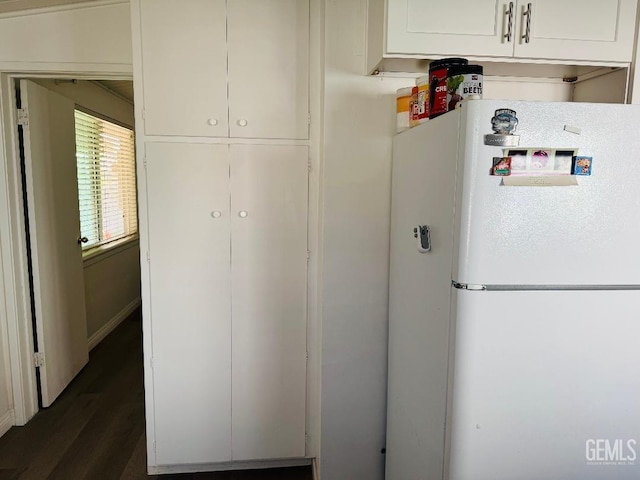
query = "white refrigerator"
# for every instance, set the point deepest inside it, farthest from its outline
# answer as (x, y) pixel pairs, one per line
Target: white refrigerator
(514, 335)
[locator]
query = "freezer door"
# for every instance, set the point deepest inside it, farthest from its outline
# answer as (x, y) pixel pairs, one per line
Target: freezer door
(586, 234)
(546, 386)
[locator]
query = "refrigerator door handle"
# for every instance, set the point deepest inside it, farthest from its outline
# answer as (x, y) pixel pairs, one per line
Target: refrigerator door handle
(423, 234)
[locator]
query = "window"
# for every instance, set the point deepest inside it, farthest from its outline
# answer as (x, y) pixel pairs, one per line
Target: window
(106, 180)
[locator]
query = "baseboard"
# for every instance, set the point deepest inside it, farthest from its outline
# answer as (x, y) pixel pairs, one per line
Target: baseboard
(108, 327)
(6, 422)
(222, 466)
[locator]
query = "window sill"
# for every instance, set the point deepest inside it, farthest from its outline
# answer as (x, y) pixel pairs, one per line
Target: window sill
(102, 252)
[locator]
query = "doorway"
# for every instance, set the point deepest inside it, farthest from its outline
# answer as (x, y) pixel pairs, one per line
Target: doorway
(106, 257)
(79, 184)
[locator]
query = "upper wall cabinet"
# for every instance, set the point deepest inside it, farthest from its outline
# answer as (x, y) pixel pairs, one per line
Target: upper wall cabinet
(603, 30)
(555, 30)
(184, 65)
(226, 68)
(268, 68)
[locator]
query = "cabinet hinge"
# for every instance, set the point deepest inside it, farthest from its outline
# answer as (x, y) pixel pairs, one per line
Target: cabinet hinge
(306, 355)
(151, 362)
(38, 360)
(309, 165)
(144, 162)
(23, 117)
(148, 257)
(309, 119)
(144, 114)
(308, 254)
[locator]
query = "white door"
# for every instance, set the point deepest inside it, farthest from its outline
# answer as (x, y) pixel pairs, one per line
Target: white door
(600, 30)
(269, 68)
(269, 187)
(184, 65)
(188, 209)
(539, 378)
(54, 229)
(465, 27)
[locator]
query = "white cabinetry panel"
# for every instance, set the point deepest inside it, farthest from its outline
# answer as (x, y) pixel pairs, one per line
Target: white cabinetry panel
(571, 30)
(577, 30)
(464, 27)
(184, 62)
(269, 188)
(190, 301)
(269, 68)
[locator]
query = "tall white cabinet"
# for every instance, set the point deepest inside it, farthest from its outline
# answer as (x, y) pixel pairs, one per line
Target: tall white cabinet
(222, 97)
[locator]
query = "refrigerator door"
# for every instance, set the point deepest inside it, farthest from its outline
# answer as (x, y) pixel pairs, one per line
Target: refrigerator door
(585, 234)
(546, 386)
(419, 299)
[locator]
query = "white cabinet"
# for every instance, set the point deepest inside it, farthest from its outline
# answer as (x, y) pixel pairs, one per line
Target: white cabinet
(268, 68)
(190, 275)
(216, 68)
(571, 30)
(464, 27)
(576, 29)
(228, 274)
(184, 67)
(269, 290)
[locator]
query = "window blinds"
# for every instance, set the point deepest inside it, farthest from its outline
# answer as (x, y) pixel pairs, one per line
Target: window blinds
(106, 180)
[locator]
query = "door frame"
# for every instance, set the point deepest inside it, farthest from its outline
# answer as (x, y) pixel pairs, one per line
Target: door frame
(16, 322)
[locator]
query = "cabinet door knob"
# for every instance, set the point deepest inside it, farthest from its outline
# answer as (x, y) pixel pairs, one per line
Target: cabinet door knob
(242, 122)
(82, 240)
(216, 214)
(213, 122)
(243, 214)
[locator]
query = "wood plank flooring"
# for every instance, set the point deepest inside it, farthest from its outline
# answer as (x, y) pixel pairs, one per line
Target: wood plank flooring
(95, 429)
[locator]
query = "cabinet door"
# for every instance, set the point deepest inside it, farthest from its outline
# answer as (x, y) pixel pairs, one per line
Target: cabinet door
(184, 66)
(188, 208)
(269, 68)
(269, 186)
(464, 27)
(576, 30)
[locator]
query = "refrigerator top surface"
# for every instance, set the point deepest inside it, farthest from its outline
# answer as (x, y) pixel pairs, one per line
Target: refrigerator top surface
(585, 233)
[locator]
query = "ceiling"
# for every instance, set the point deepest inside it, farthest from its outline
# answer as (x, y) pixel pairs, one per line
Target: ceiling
(122, 88)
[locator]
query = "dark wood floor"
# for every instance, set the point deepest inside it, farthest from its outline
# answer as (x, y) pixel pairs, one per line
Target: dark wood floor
(95, 429)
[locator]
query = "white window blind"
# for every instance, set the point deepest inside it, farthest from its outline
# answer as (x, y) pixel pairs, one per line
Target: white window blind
(106, 180)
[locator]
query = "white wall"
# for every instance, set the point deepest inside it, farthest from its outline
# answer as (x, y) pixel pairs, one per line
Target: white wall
(359, 124)
(85, 35)
(112, 289)
(17, 5)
